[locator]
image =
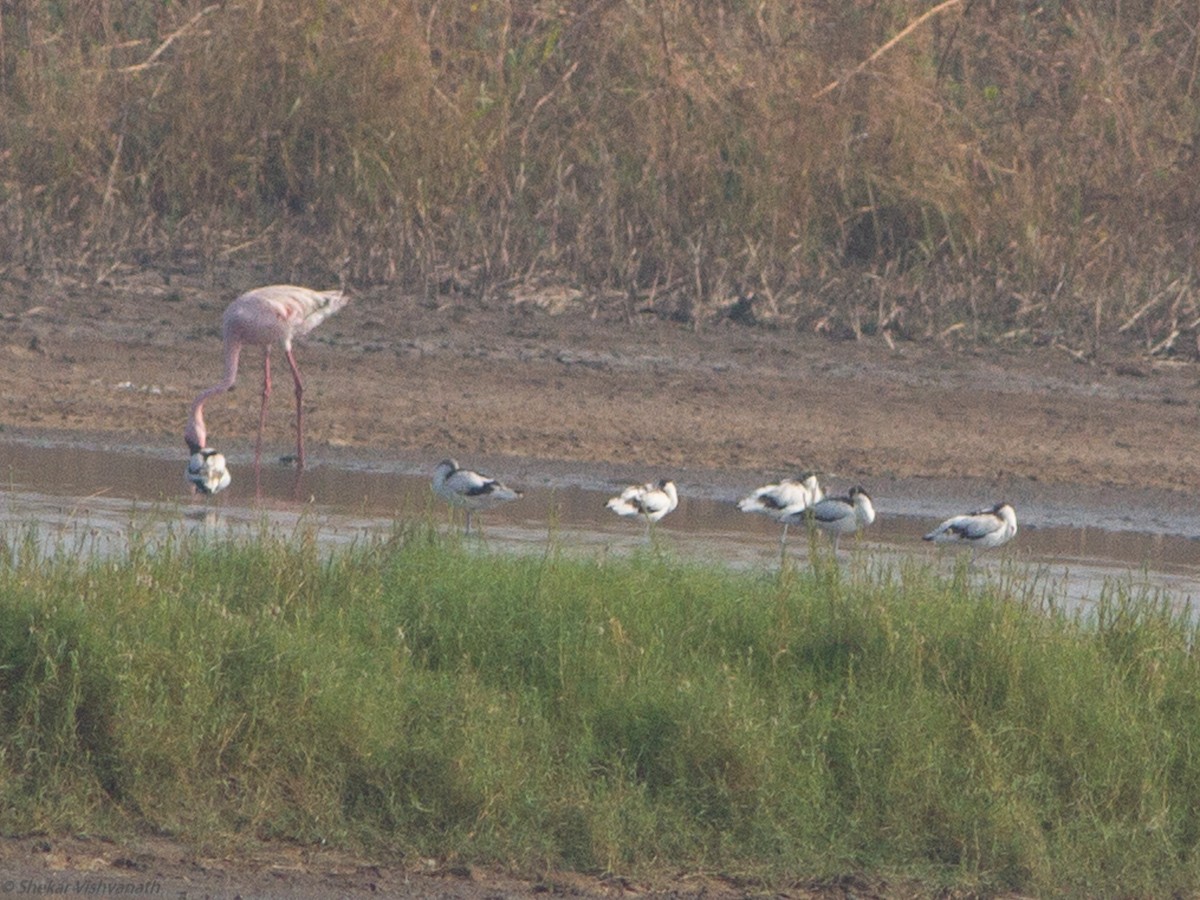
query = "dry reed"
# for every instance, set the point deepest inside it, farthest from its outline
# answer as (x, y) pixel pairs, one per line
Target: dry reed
(1003, 171)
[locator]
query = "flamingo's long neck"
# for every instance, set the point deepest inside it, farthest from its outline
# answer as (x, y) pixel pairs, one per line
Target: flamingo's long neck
(196, 435)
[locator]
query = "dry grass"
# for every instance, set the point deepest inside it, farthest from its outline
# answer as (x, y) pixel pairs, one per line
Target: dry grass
(1001, 171)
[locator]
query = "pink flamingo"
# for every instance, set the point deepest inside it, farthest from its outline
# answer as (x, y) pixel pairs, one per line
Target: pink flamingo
(261, 317)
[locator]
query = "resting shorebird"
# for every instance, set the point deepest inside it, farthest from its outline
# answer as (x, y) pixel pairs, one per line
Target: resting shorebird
(650, 501)
(470, 490)
(207, 471)
(981, 530)
(779, 500)
(837, 515)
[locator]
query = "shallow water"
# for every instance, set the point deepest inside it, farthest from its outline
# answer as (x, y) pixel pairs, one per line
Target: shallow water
(86, 499)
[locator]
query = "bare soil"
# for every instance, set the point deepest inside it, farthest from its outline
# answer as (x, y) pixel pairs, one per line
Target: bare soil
(580, 380)
(156, 866)
(559, 376)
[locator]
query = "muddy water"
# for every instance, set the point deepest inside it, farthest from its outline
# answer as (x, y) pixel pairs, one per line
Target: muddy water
(88, 499)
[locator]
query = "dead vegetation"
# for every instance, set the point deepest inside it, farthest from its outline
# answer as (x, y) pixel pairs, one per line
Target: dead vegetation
(963, 170)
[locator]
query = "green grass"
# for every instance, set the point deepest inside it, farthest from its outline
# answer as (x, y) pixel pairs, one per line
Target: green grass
(418, 696)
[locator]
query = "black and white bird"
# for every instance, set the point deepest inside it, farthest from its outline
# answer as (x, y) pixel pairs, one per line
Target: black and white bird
(470, 490)
(980, 530)
(207, 471)
(837, 515)
(777, 501)
(649, 502)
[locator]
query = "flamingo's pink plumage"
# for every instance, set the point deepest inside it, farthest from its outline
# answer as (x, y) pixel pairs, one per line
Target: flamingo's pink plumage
(261, 317)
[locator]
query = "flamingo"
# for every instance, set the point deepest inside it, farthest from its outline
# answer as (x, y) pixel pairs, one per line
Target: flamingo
(468, 489)
(980, 530)
(207, 471)
(262, 317)
(837, 515)
(778, 500)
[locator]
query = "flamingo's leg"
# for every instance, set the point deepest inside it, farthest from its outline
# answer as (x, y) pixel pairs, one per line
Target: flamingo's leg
(299, 382)
(262, 412)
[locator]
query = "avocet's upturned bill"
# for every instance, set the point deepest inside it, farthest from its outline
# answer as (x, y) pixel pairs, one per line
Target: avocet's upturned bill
(207, 471)
(649, 501)
(470, 490)
(779, 500)
(837, 515)
(981, 530)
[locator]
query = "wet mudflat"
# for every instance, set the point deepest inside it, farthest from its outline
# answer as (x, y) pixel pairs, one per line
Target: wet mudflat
(1098, 459)
(84, 499)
